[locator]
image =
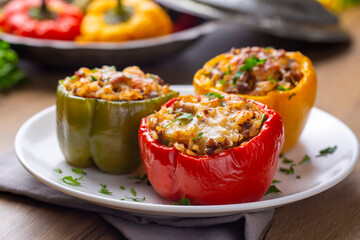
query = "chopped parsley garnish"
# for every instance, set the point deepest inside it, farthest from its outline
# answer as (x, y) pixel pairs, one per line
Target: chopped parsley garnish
(136, 199)
(151, 76)
(223, 104)
(93, 78)
(169, 111)
(144, 178)
(276, 181)
(104, 190)
(237, 76)
(212, 95)
(79, 171)
(133, 192)
(250, 63)
(167, 142)
(222, 81)
(93, 70)
(197, 116)
(272, 80)
(287, 161)
(122, 187)
(58, 170)
(305, 159)
(72, 181)
(281, 155)
(292, 95)
(228, 70)
(263, 118)
(272, 189)
(183, 115)
(281, 88)
(183, 201)
(73, 78)
(289, 170)
(122, 199)
(298, 176)
(199, 136)
(326, 151)
(116, 100)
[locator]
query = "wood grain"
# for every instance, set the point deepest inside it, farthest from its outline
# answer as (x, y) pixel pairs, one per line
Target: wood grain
(334, 214)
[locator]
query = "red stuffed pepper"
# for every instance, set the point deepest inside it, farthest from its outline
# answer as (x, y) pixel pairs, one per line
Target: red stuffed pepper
(211, 149)
(51, 19)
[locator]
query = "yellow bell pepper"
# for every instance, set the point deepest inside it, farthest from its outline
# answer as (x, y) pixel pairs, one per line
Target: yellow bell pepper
(116, 21)
(293, 105)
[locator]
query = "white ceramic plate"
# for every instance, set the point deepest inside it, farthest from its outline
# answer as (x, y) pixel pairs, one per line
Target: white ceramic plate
(38, 151)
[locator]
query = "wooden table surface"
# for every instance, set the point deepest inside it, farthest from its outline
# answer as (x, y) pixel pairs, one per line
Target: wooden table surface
(333, 214)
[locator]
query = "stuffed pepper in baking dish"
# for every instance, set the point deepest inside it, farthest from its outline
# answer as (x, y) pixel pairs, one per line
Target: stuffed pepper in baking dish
(211, 149)
(285, 81)
(98, 115)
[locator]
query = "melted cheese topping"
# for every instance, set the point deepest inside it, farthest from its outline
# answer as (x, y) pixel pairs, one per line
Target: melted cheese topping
(206, 125)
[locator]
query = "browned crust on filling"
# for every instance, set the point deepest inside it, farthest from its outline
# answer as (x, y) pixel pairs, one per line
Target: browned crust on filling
(106, 83)
(270, 70)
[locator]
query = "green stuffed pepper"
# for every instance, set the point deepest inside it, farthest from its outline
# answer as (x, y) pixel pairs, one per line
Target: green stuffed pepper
(98, 115)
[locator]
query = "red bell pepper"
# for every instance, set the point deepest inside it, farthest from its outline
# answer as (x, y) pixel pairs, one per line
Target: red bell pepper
(235, 175)
(51, 19)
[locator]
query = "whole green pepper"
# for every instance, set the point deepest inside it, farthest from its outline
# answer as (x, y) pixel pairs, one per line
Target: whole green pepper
(95, 131)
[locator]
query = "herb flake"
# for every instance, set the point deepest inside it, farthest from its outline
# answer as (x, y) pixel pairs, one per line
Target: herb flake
(326, 151)
(199, 136)
(293, 94)
(281, 88)
(136, 199)
(58, 170)
(287, 161)
(183, 201)
(237, 75)
(250, 63)
(228, 70)
(272, 189)
(122, 187)
(79, 171)
(133, 192)
(183, 115)
(289, 170)
(263, 118)
(104, 190)
(72, 181)
(93, 78)
(212, 95)
(305, 159)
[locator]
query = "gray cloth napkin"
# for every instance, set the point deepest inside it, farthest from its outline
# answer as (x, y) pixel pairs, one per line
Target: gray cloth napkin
(15, 179)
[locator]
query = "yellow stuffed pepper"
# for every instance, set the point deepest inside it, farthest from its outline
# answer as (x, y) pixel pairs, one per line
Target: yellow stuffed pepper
(117, 21)
(285, 81)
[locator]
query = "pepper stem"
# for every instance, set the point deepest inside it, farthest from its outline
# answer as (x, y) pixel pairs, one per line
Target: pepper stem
(42, 12)
(120, 13)
(43, 8)
(120, 7)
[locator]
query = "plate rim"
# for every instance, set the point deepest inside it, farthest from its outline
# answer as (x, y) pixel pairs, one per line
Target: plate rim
(184, 211)
(184, 35)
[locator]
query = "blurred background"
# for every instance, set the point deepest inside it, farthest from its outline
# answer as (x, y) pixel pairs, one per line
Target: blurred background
(174, 42)
(176, 39)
